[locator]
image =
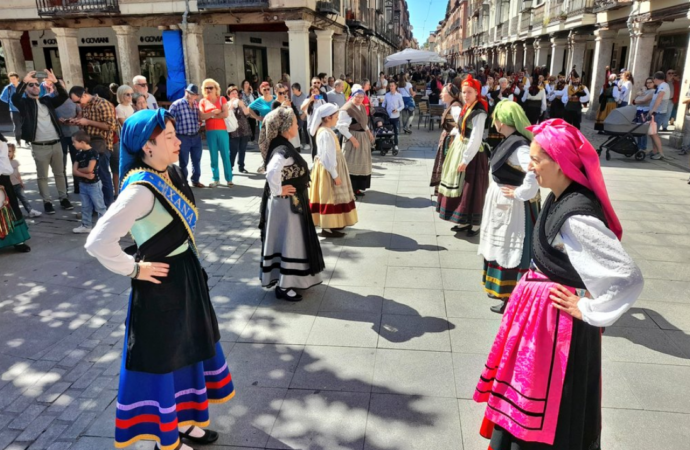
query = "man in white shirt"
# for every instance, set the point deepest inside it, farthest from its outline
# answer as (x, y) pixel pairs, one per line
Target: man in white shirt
(660, 110)
(394, 105)
(140, 86)
(381, 84)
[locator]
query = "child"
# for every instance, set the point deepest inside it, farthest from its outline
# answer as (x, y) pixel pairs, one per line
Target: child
(18, 184)
(90, 188)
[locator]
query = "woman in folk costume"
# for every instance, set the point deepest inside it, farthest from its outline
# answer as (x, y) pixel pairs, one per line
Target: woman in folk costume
(172, 365)
(608, 101)
(534, 103)
(291, 257)
(331, 198)
(353, 124)
(511, 207)
(13, 229)
(451, 97)
(542, 379)
(465, 179)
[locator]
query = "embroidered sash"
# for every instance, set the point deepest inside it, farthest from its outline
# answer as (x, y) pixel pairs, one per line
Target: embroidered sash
(185, 209)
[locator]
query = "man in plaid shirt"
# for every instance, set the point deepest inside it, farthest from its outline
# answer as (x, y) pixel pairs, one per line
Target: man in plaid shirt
(98, 121)
(186, 114)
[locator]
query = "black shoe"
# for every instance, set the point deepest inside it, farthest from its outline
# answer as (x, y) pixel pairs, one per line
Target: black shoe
(359, 194)
(48, 208)
(65, 203)
(332, 234)
(500, 308)
(23, 248)
(244, 171)
(282, 294)
(209, 436)
(472, 233)
(458, 228)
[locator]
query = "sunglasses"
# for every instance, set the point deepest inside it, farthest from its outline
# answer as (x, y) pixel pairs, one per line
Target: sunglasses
(210, 88)
(128, 94)
(282, 93)
(143, 85)
(265, 89)
(33, 84)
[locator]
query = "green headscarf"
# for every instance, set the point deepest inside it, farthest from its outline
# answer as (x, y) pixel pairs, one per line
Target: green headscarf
(512, 114)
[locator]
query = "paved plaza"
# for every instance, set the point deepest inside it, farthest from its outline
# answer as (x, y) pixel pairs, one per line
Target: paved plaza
(384, 355)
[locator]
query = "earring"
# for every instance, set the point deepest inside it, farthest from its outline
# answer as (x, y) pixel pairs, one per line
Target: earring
(150, 153)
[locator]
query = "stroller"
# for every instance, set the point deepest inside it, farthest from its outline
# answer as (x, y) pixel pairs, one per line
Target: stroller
(620, 125)
(383, 132)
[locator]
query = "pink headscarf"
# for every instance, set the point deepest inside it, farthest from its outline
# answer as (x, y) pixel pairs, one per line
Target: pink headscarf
(578, 160)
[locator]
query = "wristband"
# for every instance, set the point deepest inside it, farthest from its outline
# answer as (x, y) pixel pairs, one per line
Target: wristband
(135, 272)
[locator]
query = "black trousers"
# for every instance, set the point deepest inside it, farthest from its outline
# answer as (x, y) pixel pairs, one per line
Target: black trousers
(573, 117)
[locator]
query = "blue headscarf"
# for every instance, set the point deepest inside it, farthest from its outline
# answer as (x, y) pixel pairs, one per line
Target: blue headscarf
(136, 130)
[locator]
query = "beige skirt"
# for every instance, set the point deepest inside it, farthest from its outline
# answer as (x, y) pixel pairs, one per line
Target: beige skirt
(332, 206)
(358, 159)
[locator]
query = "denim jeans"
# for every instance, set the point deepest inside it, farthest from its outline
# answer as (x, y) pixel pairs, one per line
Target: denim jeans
(68, 148)
(396, 125)
(662, 120)
(21, 196)
(91, 199)
(641, 140)
(238, 148)
(190, 146)
(98, 144)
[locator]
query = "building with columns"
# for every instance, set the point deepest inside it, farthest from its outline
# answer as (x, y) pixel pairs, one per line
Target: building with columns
(111, 41)
(643, 36)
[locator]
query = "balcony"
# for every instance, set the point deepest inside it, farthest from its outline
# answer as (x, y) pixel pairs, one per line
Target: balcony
(605, 5)
(538, 16)
(525, 22)
(581, 7)
(357, 19)
(328, 6)
(62, 8)
(557, 13)
(514, 27)
(220, 4)
(466, 43)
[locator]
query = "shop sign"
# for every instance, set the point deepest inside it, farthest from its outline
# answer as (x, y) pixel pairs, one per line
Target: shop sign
(151, 39)
(49, 41)
(95, 40)
(254, 40)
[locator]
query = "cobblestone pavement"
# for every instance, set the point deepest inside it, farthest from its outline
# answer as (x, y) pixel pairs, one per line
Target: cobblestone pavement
(384, 355)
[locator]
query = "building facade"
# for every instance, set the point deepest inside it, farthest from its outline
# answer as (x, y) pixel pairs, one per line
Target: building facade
(110, 41)
(589, 35)
(451, 32)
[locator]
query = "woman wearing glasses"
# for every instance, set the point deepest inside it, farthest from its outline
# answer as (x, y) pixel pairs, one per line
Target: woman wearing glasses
(262, 105)
(124, 109)
(213, 108)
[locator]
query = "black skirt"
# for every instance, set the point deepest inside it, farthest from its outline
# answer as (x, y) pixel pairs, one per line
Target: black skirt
(172, 324)
(579, 415)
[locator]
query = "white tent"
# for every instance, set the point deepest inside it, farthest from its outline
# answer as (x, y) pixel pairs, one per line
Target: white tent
(413, 56)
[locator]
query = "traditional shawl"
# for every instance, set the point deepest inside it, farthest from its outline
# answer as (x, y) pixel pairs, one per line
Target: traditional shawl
(360, 115)
(276, 122)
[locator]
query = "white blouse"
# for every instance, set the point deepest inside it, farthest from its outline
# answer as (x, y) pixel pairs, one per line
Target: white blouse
(274, 172)
(325, 146)
(103, 243)
(344, 121)
(529, 187)
(5, 164)
(609, 273)
(541, 95)
(476, 137)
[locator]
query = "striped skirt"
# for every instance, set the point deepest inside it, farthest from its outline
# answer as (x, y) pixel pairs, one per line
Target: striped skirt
(152, 406)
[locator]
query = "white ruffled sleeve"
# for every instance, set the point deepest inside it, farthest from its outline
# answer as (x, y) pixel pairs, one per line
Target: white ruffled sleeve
(455, 113)
(343, 124)
(103, 242)
(326, 152)
(529, 187)
(475, 140)
(274, 172)
(609, 273)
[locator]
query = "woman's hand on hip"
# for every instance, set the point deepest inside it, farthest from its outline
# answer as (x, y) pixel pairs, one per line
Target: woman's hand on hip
(288, 190)
(565, 300)
(508, 191)
(462, 168)
(149, 270)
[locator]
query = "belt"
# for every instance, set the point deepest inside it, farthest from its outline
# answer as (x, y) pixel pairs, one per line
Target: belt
(45, 143)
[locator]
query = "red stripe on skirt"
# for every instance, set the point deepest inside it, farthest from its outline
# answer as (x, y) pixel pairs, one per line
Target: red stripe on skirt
(324, 208)
(146, 418)
(199, 406)
(219, 384)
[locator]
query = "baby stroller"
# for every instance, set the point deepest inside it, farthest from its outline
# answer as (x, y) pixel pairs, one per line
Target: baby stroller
(383, 132)
(620, 125)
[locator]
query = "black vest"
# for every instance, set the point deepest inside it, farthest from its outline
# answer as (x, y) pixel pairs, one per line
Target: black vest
(478, 109)
(576, 200)
(501, 171)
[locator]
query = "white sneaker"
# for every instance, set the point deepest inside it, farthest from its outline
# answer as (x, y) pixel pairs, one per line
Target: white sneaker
(81, 230)
(213, 184)
(35, 213)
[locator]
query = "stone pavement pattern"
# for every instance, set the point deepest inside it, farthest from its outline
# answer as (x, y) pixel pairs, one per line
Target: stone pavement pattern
(384, 355)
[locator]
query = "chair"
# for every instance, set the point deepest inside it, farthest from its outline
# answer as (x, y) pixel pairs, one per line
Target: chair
(435, 113)
(423, 113)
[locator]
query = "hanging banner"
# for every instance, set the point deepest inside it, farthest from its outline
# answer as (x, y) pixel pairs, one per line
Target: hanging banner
(174, 59)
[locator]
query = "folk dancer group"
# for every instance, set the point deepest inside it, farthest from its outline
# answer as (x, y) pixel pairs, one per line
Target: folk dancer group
(561, 272)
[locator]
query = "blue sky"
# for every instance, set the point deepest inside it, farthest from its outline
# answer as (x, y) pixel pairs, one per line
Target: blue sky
(425, 15)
